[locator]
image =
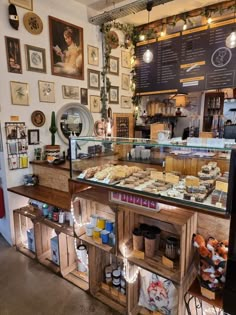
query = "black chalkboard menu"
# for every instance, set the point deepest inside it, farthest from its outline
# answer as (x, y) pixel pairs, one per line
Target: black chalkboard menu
(193, 60)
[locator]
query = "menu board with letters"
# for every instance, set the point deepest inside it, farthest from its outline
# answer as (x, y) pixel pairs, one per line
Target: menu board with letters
(193, 60)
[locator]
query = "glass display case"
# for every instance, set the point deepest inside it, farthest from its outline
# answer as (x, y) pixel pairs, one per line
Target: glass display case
(192, 173)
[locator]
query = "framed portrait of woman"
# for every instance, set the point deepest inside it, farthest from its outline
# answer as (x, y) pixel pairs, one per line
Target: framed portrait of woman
(67, 49)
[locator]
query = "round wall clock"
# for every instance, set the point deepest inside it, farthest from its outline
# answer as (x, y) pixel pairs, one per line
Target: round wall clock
(38, 118)
(33, 23)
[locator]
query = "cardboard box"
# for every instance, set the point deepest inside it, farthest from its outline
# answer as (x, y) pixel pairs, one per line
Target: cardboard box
(55, 250)
(31, 240)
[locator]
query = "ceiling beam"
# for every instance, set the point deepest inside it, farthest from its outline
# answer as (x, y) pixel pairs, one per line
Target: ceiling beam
(131, 8)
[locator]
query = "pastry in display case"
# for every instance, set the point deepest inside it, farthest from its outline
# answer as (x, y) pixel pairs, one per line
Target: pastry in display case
(180, 174)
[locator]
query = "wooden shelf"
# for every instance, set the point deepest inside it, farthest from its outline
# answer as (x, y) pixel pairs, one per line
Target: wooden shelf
(80, 279)
(108, 301)
(24, 250)
(90, 241)
(195, 290)
(58, 227)
(45, 259)
(50, 196)
(155, 265)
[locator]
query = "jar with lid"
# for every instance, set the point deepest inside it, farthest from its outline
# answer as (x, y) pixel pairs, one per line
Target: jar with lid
(55, 215)
(171, 249)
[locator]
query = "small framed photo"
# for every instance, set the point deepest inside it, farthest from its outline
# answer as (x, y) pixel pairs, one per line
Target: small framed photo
(125, 59)
(95, 104)
(114, 95)
(93, 79)
(33, 136)
(125, 81)
(26, 4)
(35, 59)
(19, 93)
(13, 55)
(126, 102)
(84, 96)
(69, 91)
(46, 92)
(113, 65)
(93, 55)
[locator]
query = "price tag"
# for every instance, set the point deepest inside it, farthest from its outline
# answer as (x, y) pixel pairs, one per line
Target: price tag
(138, 254)
(219, 204)
(157, 175)
(106, 181)
(82, 175)
(222, 186)
(192, 181)
(171, 178)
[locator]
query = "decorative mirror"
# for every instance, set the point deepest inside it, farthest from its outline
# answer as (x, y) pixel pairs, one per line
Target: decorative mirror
(74, 119)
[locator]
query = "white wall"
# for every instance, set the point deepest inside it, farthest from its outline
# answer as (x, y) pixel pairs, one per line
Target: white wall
(69, 11)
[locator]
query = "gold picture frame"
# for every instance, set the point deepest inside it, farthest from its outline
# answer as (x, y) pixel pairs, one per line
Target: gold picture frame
(126, 102)
(19, 93)
(93, 55)
(95, 104)
(70, 91)
(125, 59)
(67, 56)
(26, 4)
(125, 81)
(46, 91)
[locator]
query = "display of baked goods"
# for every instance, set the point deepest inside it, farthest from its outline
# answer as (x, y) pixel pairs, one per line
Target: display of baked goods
(199, 189)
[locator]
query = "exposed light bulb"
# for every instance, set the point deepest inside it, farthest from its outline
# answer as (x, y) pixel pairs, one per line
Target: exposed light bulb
(209, 20)
(184, 27)
(148, 56)
(141, 37)
(162, 33)
(230, 41)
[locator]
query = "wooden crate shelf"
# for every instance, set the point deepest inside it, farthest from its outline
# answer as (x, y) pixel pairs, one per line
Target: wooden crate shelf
(134, 291)
(172, 222)
(98, 243)
(98, 260)
(58, 227)
(69, 264)
(25, 220)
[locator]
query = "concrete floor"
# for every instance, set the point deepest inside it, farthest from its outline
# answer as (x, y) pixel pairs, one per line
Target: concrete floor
(27, 288)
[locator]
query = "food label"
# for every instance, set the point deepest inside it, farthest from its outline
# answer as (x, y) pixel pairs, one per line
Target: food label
(157, 175)
(192, 181)
(171, 178)
(222, 186)
(138, 254)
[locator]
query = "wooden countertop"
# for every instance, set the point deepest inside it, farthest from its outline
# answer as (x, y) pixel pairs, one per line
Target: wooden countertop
(50, 196)
(65, 166)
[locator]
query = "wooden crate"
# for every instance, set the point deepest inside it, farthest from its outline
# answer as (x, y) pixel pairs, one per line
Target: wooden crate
(25, 219)
(69, 264)
(172, 221)
(98, 260)
(134, 290)
(43, 234)
(86, 208)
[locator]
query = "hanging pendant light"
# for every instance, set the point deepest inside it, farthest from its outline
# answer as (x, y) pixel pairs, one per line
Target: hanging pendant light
(230, 41)
(148, 55)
